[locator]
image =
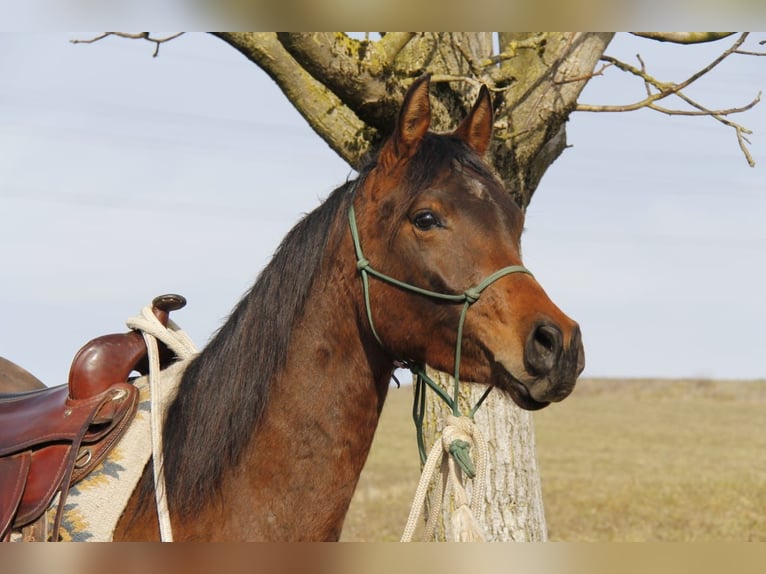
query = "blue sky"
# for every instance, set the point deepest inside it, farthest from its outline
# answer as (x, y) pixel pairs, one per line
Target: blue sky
(126, 176)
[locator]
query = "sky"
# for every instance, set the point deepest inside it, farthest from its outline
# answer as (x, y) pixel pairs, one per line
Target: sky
(124, 176)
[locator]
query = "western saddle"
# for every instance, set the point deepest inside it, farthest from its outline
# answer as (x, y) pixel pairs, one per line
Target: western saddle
(50, 438)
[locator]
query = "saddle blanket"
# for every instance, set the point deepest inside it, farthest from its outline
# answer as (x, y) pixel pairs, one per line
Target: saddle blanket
(94, 505)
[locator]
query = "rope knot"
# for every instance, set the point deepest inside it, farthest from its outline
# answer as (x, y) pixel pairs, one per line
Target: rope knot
(362, 263)
(465, 517)
(472, 295)
(457, 439)
(457, 428)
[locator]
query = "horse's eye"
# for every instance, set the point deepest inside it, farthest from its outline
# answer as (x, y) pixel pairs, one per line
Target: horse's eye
(426, 220)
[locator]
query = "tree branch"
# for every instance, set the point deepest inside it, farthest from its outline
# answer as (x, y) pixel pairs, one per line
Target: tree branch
(547, 83)
(327, 115)
(666, 89)
(684, 37)
(717, 115)
(702, 111)
(585, 77)
(356, 71)
(392, 44)
(750, 53)
(132, 36)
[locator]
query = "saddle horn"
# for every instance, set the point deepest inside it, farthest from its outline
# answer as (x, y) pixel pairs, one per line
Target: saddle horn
(111, 358)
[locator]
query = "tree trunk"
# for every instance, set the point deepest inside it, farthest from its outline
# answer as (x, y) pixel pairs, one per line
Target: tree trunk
(513, 506)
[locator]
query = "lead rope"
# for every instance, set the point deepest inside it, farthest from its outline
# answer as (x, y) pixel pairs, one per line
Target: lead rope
(465, 523)
(182, 345)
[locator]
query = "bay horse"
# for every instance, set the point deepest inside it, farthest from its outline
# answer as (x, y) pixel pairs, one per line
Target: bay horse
(16, 379)
(274, 418)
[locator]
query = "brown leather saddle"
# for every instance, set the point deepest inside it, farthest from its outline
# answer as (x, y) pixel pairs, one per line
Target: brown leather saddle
(50, 438)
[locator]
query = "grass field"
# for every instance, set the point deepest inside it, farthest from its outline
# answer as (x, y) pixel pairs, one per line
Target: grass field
(621, 460)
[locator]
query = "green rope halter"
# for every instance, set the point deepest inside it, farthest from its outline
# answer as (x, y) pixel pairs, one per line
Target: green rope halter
(467, 298)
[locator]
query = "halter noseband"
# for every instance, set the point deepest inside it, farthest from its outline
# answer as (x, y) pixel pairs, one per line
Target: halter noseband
(467, 298)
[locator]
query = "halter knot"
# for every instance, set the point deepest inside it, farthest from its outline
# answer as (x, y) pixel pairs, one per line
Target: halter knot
(465, 518)
(457, 439)
(457, 428)
(472, 295)
(362, 263)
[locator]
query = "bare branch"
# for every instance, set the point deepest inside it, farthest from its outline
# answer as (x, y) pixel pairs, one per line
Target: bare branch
(701, 111)
(585, 77)
(96, 39)
(715, 62)
(647, 84)
(739, 129)
(665, 89)
(132, 36)
(750, 53)
(684, 37)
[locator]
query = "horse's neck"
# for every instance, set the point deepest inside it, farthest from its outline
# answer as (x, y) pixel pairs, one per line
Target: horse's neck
(299, 474)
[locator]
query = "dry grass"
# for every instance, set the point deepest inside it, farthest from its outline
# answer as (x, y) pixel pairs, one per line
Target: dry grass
(654, 460)
(620, 460)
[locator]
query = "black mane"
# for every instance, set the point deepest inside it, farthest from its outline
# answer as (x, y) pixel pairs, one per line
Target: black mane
(224, 391)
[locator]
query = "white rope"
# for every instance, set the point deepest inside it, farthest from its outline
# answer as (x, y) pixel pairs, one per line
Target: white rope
(465, 523)
(181, 344)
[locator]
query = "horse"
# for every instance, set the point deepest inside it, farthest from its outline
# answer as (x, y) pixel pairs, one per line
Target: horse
(274, 418)
(16, 379)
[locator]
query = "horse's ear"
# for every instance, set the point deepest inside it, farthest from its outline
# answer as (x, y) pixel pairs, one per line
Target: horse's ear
(476, 128)
(412, 125)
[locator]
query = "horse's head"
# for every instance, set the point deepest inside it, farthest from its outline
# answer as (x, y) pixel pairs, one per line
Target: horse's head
(431, 214)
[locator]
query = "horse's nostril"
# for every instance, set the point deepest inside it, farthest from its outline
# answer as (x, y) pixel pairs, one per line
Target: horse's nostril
(545, 339)
(543, 349)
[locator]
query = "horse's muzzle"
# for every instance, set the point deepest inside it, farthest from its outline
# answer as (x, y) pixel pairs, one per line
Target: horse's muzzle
(554, 363)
